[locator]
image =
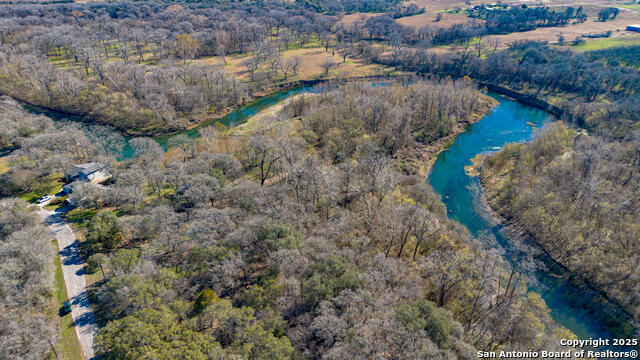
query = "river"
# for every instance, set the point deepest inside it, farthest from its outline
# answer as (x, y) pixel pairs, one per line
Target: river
(510, 122)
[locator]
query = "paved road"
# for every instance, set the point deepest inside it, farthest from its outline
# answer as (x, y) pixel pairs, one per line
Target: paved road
(73, 271)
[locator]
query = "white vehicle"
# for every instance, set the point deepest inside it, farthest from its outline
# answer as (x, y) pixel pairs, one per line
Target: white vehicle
(43, 199)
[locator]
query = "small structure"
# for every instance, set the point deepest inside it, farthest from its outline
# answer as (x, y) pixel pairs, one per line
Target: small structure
(68, 189)
(635, 28)
(93, 172)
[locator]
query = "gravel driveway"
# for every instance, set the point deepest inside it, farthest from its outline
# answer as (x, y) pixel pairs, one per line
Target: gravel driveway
(73, 271)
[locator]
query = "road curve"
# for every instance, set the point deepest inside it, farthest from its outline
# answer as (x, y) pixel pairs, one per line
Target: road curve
(73, 272)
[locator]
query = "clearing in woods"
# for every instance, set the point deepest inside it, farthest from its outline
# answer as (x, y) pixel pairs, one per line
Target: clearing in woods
(310, 68)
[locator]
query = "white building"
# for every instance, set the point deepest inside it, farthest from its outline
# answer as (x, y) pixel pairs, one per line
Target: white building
(93, 172)
(635, 28)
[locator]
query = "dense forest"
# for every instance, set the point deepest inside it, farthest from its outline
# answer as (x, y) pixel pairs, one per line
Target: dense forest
(301, 237)
(593, 91)
(570, 81)
(27, 328)
(132, 65)
(318, 263)
(349, 6)
(577, 196)
(516, 19)
(625, 55)
(308, 231)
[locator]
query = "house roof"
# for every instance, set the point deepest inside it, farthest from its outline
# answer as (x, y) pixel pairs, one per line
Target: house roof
(90, 167)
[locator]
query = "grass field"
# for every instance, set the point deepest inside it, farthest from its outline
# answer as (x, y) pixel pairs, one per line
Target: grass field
(310, 67)
(69, 346)
(50, 185)
(630, 6)
(600, 44)
(429, 18)
(4, 164)
(629, 14)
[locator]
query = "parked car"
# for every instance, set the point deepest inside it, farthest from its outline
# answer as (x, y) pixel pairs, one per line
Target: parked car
(65, 309)
(43, 199)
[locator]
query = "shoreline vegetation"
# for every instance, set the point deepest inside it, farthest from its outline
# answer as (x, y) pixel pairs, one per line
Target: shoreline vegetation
(427, 154)
(277, 88)
(608, 311)
(424, 154)
(308, 214)
(502, 176)
(232, 224)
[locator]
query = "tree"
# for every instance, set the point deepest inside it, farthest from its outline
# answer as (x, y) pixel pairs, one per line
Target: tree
(181, 142)
(344, 50)
(140, 40)
(201, 189)
(327, 64)
(153, 334)
(204, 299)
(396, 41)
(272, 236)
(26, 327)
(255, 342)
(185, 47)
(104, 231)
(295, 63)
(445, 270)
(325, 39)
(328, 277)
(229, 165)
(86, 195)
(273, 57)
(263, 154)
(426, 316)
(222, 43)
(252, 63)
(288, 65)
(148, 151)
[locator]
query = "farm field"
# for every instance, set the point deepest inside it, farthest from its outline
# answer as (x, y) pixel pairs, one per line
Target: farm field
(572, 31)
(629, 14)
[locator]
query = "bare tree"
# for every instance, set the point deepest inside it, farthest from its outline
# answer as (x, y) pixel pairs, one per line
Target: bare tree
(263, 154)
(327, 64)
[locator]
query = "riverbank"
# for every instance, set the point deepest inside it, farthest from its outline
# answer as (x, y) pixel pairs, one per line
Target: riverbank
(427, 154)
(511, 122)
(416, 159)
(202, 119)
(589, 296)
(524, 98)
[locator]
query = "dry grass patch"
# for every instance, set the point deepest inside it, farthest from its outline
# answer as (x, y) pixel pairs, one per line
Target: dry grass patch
(569, 32)
(356, 18)
(268, 119)
(447, 19)
(441, 5)
(4, 164)
(572, 31)
(310, 68)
